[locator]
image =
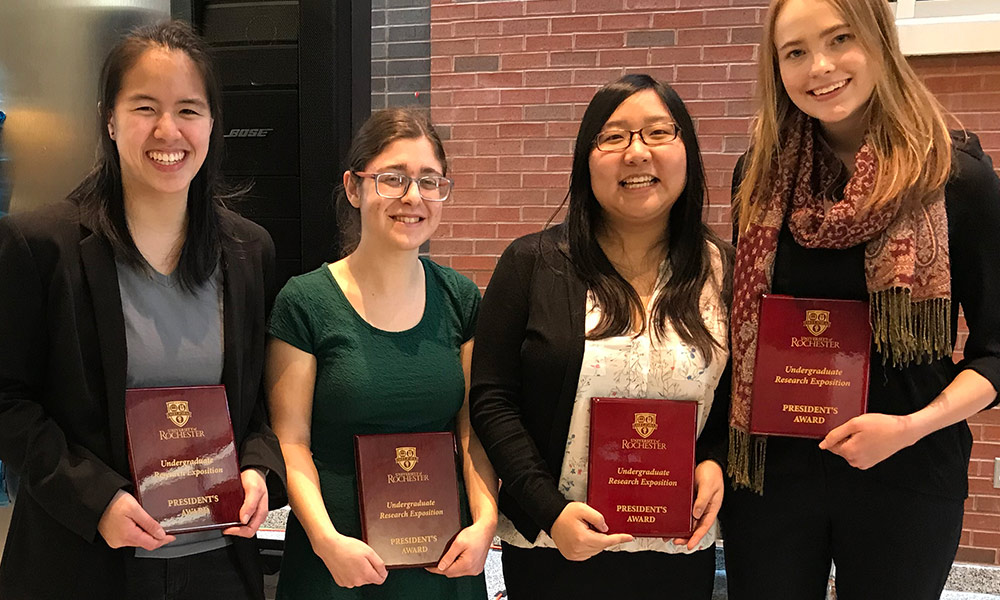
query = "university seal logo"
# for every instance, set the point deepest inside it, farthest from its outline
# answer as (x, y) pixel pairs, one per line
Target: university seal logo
(817, 321)
(645, 424)
(178, 412)
(406, 457)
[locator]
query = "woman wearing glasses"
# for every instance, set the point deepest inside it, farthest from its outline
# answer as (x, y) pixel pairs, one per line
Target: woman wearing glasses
(625, 298)
(377, 342)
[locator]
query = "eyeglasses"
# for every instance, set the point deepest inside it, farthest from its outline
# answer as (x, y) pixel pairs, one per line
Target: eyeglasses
(433, 188)
(617, 140)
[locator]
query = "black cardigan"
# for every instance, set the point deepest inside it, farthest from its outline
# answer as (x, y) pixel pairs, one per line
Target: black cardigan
(62, 395)
(525, 367)
(937, 464)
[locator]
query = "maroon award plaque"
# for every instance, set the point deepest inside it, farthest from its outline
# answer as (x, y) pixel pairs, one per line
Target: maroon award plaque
(811, 369)
(408, 495)
(182, 456)
(641, 469)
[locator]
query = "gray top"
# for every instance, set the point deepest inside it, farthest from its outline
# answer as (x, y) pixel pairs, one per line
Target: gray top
(174, 338)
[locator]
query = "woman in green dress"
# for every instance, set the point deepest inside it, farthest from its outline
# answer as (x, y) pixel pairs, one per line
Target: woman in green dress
(377, 342)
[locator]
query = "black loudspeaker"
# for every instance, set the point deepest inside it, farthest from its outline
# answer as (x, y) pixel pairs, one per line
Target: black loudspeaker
(296, 78)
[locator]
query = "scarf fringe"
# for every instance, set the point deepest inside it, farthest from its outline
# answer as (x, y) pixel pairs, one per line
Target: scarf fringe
(746, 459)
(910, 332)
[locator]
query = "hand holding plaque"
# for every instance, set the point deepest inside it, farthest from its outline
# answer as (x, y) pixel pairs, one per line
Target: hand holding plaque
(183, 457)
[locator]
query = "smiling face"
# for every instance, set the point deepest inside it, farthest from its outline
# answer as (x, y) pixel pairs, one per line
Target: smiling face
(825, 70)
(638, 186)
(397, 223)
(161, 124)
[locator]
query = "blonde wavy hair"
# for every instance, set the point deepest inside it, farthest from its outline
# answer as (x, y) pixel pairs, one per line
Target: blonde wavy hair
(906, 125)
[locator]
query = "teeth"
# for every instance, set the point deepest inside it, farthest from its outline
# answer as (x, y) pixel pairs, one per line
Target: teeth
(408, 220)
(638, 181)
(166, 158)
(828, 89)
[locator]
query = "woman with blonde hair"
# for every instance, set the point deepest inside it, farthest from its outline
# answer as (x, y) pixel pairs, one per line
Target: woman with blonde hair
(853, 172)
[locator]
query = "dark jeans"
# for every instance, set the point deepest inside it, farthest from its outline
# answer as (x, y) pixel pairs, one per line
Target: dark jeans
(887, 543)
(215, 574)
(543, 573)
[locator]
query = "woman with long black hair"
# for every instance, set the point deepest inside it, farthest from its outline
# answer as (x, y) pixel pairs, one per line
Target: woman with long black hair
(625, 298)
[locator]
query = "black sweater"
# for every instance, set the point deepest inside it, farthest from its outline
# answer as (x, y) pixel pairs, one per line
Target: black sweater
(525, 368)
(937, 464)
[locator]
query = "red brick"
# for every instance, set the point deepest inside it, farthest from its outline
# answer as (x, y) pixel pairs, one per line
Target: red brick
(726, 90)
(522, 197)
(522, 96)
(528, 60)
(452, 81)
(475, 197)
(729, 54)
(548, 78)
(732, 16)
(976, 555)
(986, 417)
(747, 35)
(596, 76)
(442, 64)
(473, 97)
(522, 164)
(701, 73)
(563, 130)
(676, 19)
(474, 230)
(702, 36)
(546, 180)
(474, 132)
(645, 4)
(457, 114)
(548, 112)
(742, 72)
(452, 247)
(483, 263)
(460, 214)
(563, 7)
(574, 24)
(957, 83)
(498, 214)
(710, 126)
(537, 214)
(452, 47)
(548, 42)
(988, 504)
(442, 31)
(573, 59)
(548, 146)
(505, 80)
(626, 22)
(456, 147)
(736, 144)
(524, 26)
(710, 143)
(675, 56)
(521, 130)
(486, 10)
(453, 12)
(471, 164)
(481, 278)
(562, 163)
(598, 6)
(499, 114)
(638, 56)
(740, 108)
(494, 45)
(571, 94)
(706, 108)
(498, 181)
(478, 28)
(986, 450)
(599, 40)
(499, 147)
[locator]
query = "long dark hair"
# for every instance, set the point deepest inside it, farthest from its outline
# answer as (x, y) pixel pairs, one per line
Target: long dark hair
(100, 193)
(688, 253)
(382, 128)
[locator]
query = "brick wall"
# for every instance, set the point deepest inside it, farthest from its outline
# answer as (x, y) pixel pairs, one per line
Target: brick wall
(511, 79)
(401, 53)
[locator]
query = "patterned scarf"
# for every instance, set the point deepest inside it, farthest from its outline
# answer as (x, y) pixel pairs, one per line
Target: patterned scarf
(906, 270)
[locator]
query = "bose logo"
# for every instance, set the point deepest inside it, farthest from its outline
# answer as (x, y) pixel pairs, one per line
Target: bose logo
(251, 133)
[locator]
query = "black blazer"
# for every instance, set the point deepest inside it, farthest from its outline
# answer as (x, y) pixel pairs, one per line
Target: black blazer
(62, 395)
(525, 368)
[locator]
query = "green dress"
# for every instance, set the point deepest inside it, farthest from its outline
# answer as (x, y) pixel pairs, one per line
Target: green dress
(373, 381)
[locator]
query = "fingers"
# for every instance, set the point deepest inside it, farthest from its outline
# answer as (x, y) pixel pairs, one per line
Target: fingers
(594, 518)
(449, 558)
(143, 521)
(615, 539)
(378, 566)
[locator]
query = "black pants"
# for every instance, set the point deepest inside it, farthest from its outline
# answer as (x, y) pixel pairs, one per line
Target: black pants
(887, 543)
(543, 573)
(214, 574)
